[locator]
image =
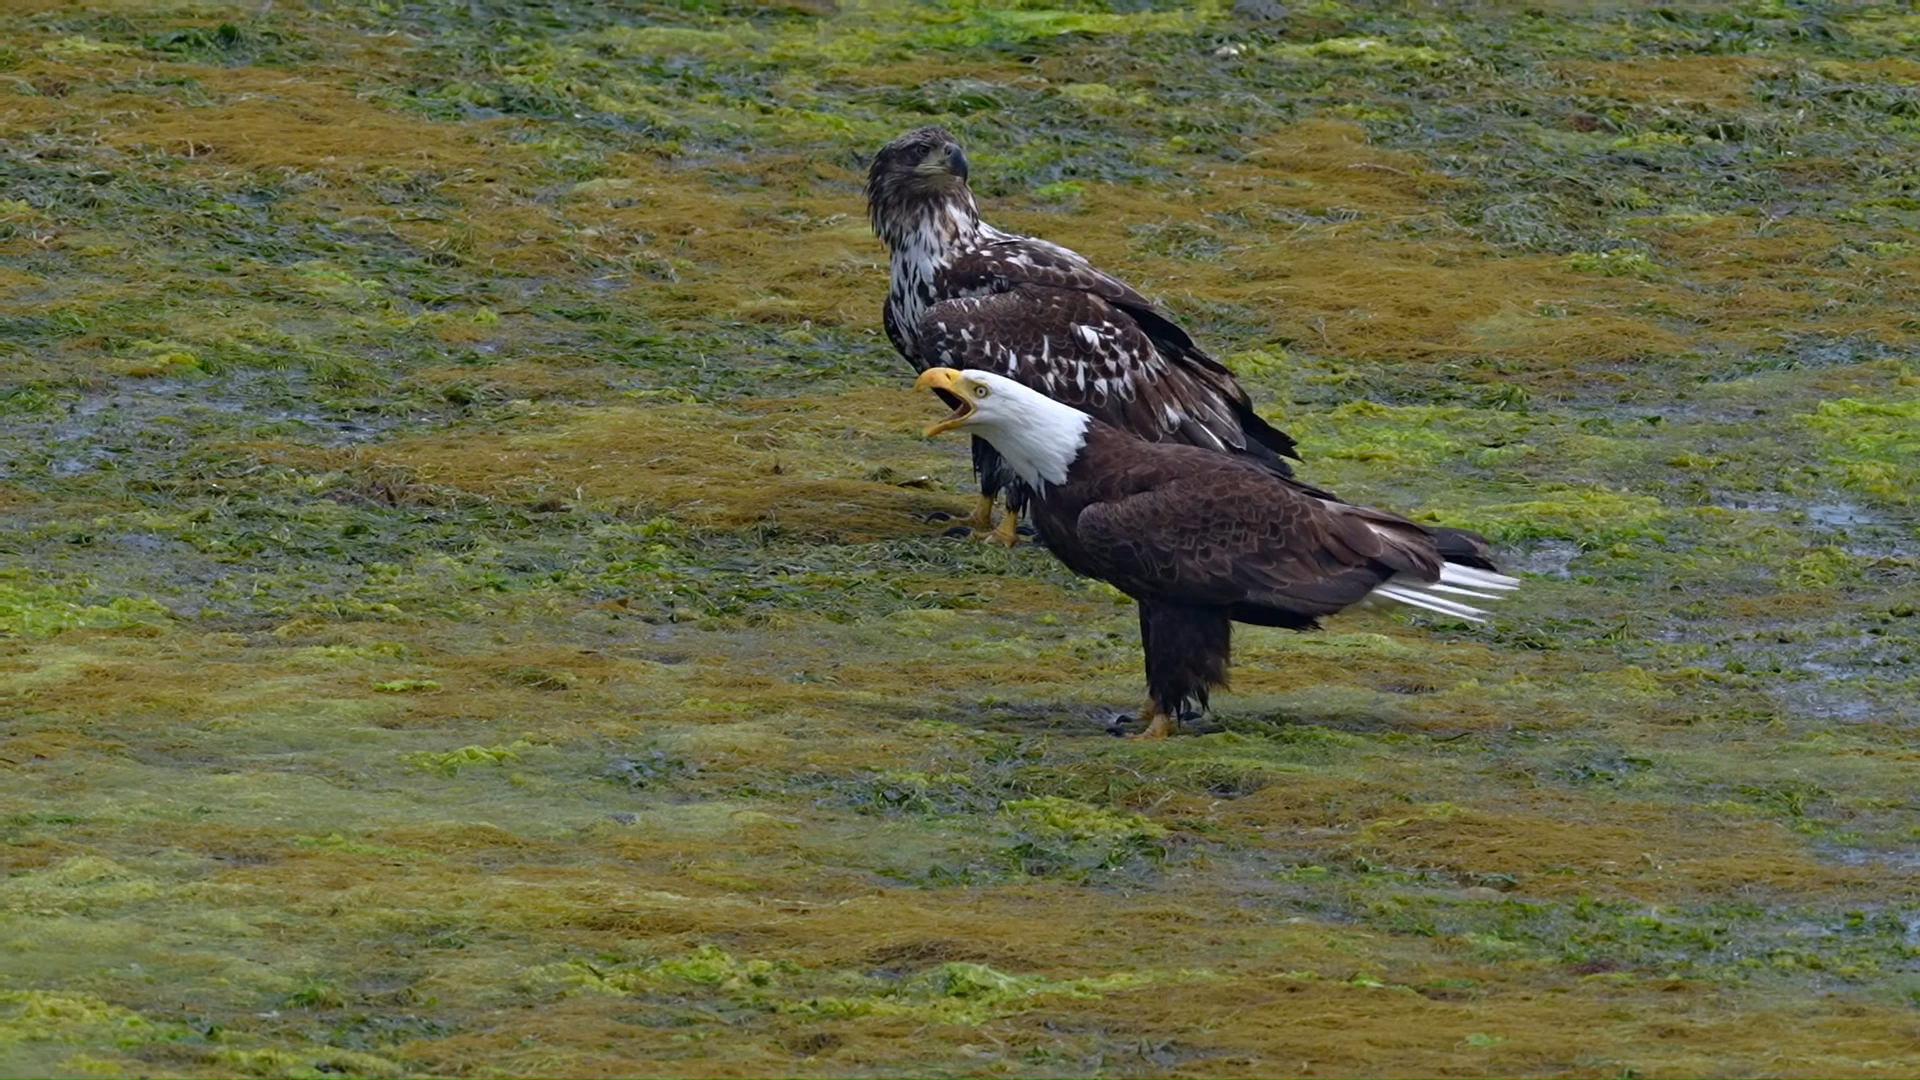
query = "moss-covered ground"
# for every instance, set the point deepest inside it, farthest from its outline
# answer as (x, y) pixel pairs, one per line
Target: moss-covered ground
(468, 607)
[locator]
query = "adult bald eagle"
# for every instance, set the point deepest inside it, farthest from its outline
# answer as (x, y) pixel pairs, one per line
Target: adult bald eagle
(965, 294)
(1199, 539)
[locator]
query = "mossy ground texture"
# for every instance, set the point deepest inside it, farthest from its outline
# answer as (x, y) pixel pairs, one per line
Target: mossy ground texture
(467, 606)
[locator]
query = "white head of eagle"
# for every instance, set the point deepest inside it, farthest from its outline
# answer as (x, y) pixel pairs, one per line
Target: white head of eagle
(1036, 435)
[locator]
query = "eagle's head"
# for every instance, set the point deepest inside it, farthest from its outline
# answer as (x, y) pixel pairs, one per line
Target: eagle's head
(1038, 436)
(917, 179)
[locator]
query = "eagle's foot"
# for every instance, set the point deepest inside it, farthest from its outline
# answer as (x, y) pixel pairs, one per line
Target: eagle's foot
(1007, 533)
(982, 518)
(978, 525)
(1160, 723)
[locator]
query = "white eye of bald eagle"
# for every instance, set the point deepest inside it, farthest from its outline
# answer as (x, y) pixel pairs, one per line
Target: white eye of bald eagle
(980, 391)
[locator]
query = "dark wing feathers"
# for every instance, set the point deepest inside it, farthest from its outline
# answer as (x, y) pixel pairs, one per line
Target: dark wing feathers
(1234, 536)
(1032, 261)
(1078, 348)
(899, 339)
(1036, 307)
(1463, 547)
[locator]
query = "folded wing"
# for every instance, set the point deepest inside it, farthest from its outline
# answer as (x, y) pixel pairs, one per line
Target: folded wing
(1235, 537)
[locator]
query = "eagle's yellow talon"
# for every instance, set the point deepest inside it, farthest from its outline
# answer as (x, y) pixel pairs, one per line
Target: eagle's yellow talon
(1159, 723)
(982, 518)
(1007, 532)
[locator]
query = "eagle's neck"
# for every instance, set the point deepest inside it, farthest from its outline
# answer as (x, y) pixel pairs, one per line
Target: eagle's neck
(925, 238)
(1038, 437)
(943, 221)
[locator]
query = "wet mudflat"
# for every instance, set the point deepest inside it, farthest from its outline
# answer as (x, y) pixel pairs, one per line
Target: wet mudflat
(466, 606)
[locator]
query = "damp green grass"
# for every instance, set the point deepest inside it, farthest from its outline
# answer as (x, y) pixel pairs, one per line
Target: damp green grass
(473, 602)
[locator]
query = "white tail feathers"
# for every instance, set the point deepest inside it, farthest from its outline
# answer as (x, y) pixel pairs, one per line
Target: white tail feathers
(1455, 580)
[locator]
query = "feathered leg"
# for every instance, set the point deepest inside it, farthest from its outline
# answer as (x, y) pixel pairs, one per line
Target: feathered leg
(980, 523)
(995, 478)
(1008, 531)
(982, 518)
(1158, 722)
(1187, 650)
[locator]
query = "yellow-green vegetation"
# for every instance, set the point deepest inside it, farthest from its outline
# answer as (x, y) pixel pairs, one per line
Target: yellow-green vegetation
(1876, 442)
(27, 610)
(469, 608)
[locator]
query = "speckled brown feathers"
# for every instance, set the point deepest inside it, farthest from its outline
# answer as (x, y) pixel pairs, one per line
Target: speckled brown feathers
(1042, 314)
(1102, 364)
(965, 294)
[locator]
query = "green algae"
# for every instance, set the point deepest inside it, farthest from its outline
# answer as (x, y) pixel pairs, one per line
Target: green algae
(969, 994)
(1875, 443)
(1612, 263)
(955, 992)
(1055, 836)
(450, 762)
(1078, 821)
(33, 1016)
(38, 611)
(48, 1028)
(1591, 516)
(407, 686)
(1366, 50)
(78, 46)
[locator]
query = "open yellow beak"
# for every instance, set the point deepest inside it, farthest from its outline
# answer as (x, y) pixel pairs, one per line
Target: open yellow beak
(949, 386)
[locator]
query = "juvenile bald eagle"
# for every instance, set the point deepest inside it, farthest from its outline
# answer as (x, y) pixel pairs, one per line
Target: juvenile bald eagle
(965, 294)
(1199, 539)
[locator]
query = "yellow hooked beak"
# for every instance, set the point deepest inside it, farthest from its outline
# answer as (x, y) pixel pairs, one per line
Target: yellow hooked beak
(951, 387)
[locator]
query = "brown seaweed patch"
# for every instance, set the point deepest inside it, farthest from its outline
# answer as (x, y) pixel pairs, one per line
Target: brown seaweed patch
(1329, 1026)
(1897, 69)
(33, 748)
(1302, 231)
(802, 253)
(796, 465)
(463, 384)
(1640, 852)
(1724, 81)
(267, 119)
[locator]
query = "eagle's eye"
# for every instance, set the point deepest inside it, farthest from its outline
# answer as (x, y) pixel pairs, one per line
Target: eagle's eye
(979, 391)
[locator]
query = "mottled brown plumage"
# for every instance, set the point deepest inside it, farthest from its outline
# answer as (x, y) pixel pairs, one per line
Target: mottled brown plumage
(1202, 539)
(964, 294)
